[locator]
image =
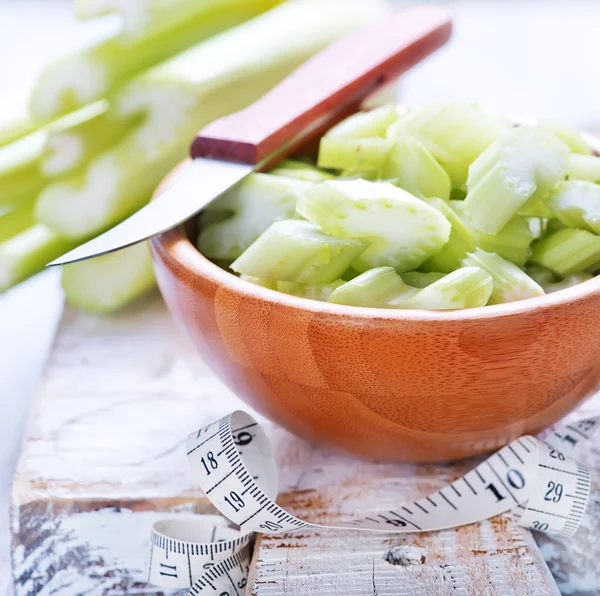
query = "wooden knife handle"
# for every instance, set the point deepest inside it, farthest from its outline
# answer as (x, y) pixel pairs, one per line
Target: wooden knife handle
(314, 95)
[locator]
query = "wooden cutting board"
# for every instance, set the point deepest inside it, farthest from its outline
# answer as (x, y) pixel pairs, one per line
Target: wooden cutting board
(103, 458)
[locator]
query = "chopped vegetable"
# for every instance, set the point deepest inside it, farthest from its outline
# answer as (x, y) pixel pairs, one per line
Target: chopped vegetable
(363, 125)
(296, 250)
(417, 279)
(343, 153)
(569, 136)
(568, 282)
(584, 167)
(576, 204)
(402, 230)
(293, 168)
(314, 291)
(16, 220)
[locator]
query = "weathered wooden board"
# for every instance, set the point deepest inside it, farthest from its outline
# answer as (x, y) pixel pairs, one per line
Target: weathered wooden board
(103, 458)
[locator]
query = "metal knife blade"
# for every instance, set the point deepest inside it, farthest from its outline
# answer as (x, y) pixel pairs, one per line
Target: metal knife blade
(200, 183)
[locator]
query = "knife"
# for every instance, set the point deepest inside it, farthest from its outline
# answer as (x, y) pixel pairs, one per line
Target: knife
(317, 95)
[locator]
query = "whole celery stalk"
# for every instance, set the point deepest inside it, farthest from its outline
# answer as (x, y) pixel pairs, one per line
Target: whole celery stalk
(182, 95)
(95, 71)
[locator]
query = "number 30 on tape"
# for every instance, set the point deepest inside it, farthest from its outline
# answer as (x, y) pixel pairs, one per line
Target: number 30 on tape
(232, 459)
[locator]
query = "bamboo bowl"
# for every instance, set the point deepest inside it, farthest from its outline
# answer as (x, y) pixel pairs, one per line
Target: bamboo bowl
(389, 385)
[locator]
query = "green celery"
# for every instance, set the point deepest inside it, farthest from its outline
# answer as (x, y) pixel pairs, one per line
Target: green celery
(569, 136)
(541, 275)
(109, 282)
(568, 282)
(301, 170)
(418, 279)
(319, 292)
(15, 122)
(271, 284)
(15, 221)
(296, 250)
(410, 166)
(402, 230)
(584, 167)
(362, 125)
(355, 154)
(567, 251)
(576, 204)
(512, 174)
(510, 282)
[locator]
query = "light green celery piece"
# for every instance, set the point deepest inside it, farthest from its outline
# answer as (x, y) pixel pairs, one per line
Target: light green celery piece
(418, 279)
(370, 174)
(576, 204)
(258, 201)
(412, 167)
(510, 282)
(537, 226)
(109, 282)
(20, 175)
(568, 282)
(376, 288)
(319, 292)
(340, 153)
(296, 250)
(373, 123)
(512, 242)
(535, 209)
(455, 134)
(402, 231)
(460, 243)
(468, 287)
(27, 253)
(568, 135)
(301, 170)
(15, 221)
(271, 284)
(15, 122)
(74, 139)
(184, 94)
(511, 174)
(541, 275)
(584, 167)
(93, 72)
(567, 251)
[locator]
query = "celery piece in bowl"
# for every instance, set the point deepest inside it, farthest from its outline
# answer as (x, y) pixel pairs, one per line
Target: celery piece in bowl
(411, 166)
(510, 282)
(568, 135)
(402, 231)
(514, 172)
(111, 281)
(376, 288)
(584, 167)
(418, 279)
(568, 282)
(464, 288)
(296, 250)
(301, 170)
(319, 292)
(361, 125)
(271, 284)
(576, 204)
(256, 202)
(567, 251)
(343, 153)
(541, 275)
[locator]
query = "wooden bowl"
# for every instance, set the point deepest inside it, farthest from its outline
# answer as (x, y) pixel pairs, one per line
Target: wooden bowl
(383, 384)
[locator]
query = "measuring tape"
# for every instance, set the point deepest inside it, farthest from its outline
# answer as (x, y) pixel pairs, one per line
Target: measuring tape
(232, 460)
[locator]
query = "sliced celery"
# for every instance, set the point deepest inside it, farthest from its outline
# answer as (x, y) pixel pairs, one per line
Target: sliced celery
(296, 250)
(319, 292)
(512, 242)
(510, 282)
(27, 253)
(418, 279)
(464, 288)
(569, 136)
(460, 243)
(186, 93)
(576, 204)
(376, 288)
(258, 201)
(567, 251)
(373, 123)
(568, 282)
(454, 133)
(271, 284)
(340, 153)
(410, 166)
(513, 173)
(293, 168)
(544, 277)
(109, 282)
(15, 221)
(584, 167)
(402, 230)
(15, 122)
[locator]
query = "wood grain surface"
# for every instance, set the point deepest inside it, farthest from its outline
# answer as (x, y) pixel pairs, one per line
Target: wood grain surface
(103, 459)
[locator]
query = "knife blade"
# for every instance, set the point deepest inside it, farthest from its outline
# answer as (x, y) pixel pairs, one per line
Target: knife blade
(313, 98)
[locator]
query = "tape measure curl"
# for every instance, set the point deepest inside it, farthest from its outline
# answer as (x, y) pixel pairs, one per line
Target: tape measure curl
(232, 459)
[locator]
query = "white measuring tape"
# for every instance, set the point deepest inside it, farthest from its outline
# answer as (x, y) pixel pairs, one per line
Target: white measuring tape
(232, 459)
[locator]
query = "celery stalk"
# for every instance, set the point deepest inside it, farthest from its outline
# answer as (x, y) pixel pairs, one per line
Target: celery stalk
(584, 167)
(258, 201)
(568, 282)
(569, 136)
(541, 275)
(402, 230)
(319, 292)
(296, 250)
(376, 288)
(464, 288)
(454, 133)
(410, 166)
(510, 282)
(184, 94)
(27, 253)
(354, 154)
(362, 125)
(93, 72)
(15, 221)
(576, 204)
(513, 173)
(109, 282)
(417, 279)
(301, 170)
(567, 251)
(271, 284)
